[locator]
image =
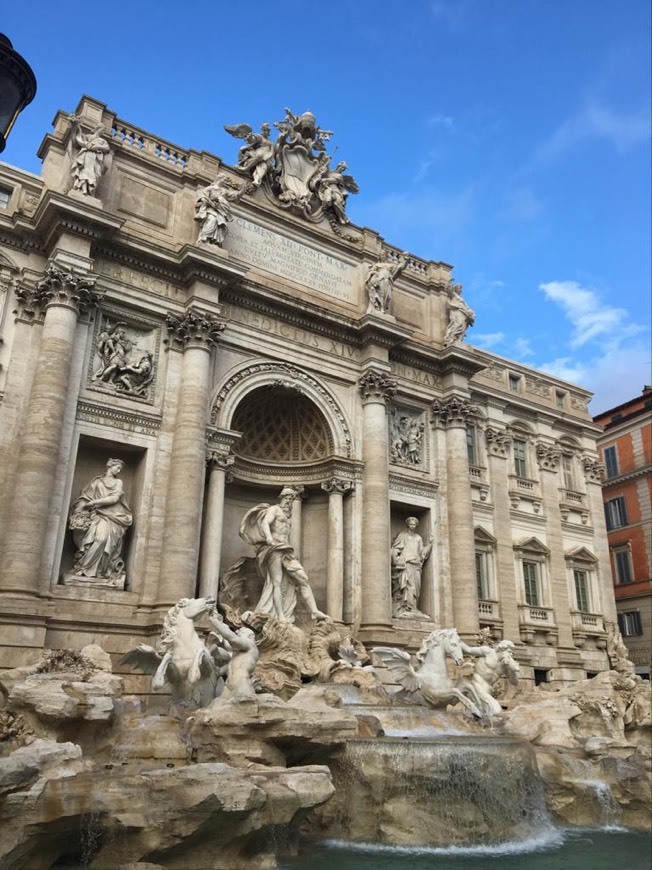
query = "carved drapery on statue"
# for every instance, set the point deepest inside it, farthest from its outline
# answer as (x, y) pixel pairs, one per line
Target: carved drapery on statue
(296, 168)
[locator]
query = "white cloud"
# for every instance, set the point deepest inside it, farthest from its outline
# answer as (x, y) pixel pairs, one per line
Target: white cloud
(522, 348)
(590, 317)
(489, 339)
(441, 121)
(623, 130)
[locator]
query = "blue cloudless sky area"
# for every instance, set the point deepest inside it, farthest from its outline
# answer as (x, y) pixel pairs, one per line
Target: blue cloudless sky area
(510, 138)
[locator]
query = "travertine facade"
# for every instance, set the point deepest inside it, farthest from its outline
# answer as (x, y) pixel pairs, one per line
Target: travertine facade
(225, 342)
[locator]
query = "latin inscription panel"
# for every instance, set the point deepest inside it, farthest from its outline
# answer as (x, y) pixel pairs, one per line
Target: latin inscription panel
(288, 258)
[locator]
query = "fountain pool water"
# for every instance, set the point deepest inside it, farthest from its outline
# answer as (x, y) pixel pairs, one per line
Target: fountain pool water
(560, 849)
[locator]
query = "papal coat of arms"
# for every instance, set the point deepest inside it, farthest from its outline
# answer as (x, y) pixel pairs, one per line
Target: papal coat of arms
(296, 167)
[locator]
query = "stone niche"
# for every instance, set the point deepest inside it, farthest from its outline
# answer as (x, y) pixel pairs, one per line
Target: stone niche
(400, 511)
(91, 462)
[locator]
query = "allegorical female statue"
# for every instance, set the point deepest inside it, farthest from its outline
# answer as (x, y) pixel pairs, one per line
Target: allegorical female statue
(88, 165)
(408, 555)
(99, 519)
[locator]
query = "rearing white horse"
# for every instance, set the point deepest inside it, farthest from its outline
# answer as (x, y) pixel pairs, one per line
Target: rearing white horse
(183, 661)
(431, 678)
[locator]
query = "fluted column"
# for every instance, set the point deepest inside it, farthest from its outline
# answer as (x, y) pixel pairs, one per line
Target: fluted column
(376, 389)
(211, 551)
(195, 333)
(453, 414)
(62, 293)
(335, 487)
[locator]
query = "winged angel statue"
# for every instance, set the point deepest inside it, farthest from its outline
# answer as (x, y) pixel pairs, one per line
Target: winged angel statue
(431, 678)
(296, 166)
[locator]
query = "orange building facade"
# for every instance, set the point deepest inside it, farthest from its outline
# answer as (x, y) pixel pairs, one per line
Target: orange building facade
(626, 450)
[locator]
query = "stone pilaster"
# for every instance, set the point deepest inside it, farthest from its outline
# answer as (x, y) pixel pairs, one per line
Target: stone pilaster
(376, 388)
(296, 520)
(219, 463)
(594, 474)
(498, 445)
(194, 333)
(336, 487)
(62, 294)
(453, 413)
(548, 457)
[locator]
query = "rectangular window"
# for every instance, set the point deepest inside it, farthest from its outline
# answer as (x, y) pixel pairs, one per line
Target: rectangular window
(629, 623)
(615, 513)
(623, 565)
(471, 445)
(530, 580)
(582, 591)
(481, 574)
(5, 196)
(520, 462)
(559, 399)
(514, 383)
(611, 460)
(567, 471)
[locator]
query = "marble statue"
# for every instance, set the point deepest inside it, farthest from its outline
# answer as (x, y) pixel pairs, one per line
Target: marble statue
(492, 663)
(99, 519)
(379, 283)
(182, 661)
(136, 378)
(460, 315)
(431, 677)
(243, 659)
(333, 187)
(88, 164)
(267, 528)
(256, 158)
(213, 210)
(408, 555)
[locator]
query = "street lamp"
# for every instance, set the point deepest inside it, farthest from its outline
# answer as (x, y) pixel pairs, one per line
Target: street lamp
(17, 87)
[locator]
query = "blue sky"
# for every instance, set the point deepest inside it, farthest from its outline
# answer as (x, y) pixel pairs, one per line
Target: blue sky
(510, 138)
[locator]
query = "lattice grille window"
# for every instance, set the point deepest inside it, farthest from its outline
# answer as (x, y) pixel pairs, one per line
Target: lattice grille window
(281, 425)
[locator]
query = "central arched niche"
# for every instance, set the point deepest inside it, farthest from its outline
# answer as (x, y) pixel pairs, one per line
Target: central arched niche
(285, 440)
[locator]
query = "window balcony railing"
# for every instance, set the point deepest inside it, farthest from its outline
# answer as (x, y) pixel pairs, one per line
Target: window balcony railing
(478, 479)
(587, 623)
(571, 500)
(535, 619)
(488, 609)
(524, 488)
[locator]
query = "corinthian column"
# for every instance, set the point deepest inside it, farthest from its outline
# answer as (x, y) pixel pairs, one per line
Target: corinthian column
(211, 551)
(453, 414)
(376, 389)
(63, 293)
(335, 487)
(195, 333)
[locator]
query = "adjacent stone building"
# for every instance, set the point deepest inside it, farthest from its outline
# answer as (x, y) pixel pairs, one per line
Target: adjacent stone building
(222, 332)
(626, 451)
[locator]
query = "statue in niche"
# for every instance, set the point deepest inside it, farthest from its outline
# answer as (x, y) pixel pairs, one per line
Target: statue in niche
(408, 555)
(460, 315)
(88, 165)
(379, 283)
(99, 520)
(213, 210)
(267, 528)
(333, 187)
(256, 158)
(492, 664)
(406, 439)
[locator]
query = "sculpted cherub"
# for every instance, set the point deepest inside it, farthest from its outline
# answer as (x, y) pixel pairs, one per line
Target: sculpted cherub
(257, 156)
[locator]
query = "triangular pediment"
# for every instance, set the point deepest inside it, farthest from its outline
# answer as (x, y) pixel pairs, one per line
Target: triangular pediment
(580, 554)
(482, 536)
(532, 545)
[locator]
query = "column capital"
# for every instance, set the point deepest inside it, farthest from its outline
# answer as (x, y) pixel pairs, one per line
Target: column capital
(62, 285)
(453, 411)
(337, 484)
(219, 459)
(594, 470)
(376, 386)
(548, 456)
(498, 442)
(193, 328)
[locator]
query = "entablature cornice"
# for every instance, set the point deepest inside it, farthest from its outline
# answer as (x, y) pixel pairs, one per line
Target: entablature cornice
(248, 470)
(402, 484)
(634, 474)
(57, 214)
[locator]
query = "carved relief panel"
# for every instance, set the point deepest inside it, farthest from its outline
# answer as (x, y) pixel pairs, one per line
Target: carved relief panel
(124, 356)
(406, 437)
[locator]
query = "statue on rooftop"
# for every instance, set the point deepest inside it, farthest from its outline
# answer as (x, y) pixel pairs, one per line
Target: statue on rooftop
(379, 282)
(460, 315)
(213, 210)
(333, 187)
(256, 158)
(88, 164)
